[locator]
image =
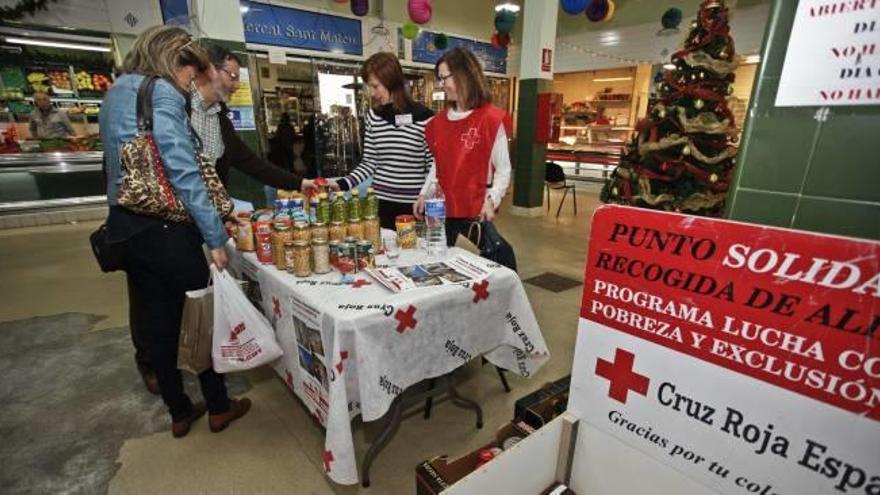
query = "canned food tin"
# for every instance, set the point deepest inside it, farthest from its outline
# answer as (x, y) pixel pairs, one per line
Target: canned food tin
(406, 231)
(334, 253)
(346, 260)
(366, 258)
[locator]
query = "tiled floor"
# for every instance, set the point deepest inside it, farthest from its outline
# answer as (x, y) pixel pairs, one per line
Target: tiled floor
(276, 448)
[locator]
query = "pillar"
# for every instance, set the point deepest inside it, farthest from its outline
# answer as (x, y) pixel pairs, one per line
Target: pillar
(539, 34)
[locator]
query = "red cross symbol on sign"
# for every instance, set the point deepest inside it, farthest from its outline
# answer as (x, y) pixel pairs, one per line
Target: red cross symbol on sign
(343, 355)
(621, 375)
(481, 291)
(360, 283)
(327, 457)
(471, 138)
(276, 307)
(406, 319)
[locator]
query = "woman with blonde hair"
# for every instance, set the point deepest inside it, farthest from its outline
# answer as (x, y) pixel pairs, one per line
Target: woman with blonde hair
(469, 144)
(395, 153)
(164, 259)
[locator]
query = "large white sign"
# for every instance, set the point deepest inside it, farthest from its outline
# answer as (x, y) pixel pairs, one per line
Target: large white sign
(746, 357)
(833, 55)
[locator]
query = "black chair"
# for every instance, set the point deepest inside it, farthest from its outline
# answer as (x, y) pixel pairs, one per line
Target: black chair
(554, 178)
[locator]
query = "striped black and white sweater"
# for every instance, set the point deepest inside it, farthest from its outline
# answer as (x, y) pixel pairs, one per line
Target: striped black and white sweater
(396, 156)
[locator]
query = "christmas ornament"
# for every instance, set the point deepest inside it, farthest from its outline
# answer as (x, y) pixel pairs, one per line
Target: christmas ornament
(662, 113)
(574, 7)
(500, 40)
(730, 89)
(597, 10)
(722, 53)
(504, 21)
(713, 178)
(611, 8)
(360, 8)
(419, 10)
(698, 103)
(409, 31)
(671, 18)
(686, 151)
(441, 41)
(614, 191)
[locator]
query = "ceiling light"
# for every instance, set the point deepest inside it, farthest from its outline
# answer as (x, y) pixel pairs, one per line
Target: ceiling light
(669, 66)
(507, 5)
(58, 44)
(612, 79)
(752, 59)
(244, 9)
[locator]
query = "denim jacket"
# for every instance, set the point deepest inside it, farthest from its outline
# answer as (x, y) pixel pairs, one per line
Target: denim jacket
(171, 132)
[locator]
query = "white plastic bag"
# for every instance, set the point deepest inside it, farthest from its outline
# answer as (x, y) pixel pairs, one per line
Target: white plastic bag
(243, 338)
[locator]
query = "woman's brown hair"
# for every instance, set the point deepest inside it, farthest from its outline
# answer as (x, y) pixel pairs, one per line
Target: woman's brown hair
(386, 69)
(470, 82)
(161, 50)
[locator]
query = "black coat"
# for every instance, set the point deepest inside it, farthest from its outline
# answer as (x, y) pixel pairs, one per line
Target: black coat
(239, 155)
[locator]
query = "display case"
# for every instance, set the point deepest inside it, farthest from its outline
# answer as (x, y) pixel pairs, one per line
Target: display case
(39, 181)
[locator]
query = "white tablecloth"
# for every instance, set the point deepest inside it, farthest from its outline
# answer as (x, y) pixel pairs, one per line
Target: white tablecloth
(351, 349)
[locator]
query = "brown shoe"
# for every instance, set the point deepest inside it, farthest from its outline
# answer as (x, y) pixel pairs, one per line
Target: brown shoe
(150, 380)
(179, 429)
(237, 409)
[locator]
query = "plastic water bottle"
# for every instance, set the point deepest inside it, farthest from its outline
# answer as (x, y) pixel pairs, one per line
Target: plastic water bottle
(435, 219)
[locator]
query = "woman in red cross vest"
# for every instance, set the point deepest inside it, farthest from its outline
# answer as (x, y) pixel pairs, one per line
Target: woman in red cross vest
(469, 144)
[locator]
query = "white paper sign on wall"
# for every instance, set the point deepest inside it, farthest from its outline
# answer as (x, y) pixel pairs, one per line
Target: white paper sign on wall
(833, 55)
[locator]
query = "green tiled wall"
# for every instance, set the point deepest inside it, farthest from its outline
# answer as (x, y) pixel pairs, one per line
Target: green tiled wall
(528, 180)
(795, 171)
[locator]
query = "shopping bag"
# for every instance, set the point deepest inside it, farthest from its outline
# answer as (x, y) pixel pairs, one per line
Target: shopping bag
(196, 331)
(483, 239)
(243, 338)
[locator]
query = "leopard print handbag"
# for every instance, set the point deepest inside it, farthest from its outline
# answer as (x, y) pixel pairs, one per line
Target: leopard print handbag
(145, 188)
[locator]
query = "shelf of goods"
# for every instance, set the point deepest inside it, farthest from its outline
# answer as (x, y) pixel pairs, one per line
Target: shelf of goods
(41, 181)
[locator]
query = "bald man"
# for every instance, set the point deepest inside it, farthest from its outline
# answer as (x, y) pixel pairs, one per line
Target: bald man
(48, 122)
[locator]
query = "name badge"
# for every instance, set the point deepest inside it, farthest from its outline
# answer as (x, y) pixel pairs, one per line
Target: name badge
(403, 119)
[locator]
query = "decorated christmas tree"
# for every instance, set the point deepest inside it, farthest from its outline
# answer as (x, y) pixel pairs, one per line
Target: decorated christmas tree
(681, 156)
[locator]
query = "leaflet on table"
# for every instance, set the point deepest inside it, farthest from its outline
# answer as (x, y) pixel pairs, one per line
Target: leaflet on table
(453, 271)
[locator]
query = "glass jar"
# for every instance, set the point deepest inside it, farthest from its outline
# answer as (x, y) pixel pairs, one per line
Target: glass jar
(301, 232)
(334, 253)
(320, 232)
(355, 229)
(364, 255)
(373, 231)
(320, 256)
(302, 259)
(337, 231)
(288, 256)
(280, 234)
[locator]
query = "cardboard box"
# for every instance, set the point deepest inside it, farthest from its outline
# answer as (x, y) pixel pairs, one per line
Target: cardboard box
(437, 474)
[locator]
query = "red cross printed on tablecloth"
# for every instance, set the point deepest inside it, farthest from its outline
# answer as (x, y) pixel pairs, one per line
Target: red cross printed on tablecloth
(481, 291)
(289, 379)
(621, 376)
(406, 319)
(343, 355)
(471, 138)
(276, 307)
(357, 284)
(327, 457)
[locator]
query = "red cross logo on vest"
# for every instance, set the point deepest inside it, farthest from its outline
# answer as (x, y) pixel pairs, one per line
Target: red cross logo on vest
(327, 457)
(357, 284)
(621, 376)
(470, 139)
(276, 308)
(406, 319)
(343, 355)
(481, 291)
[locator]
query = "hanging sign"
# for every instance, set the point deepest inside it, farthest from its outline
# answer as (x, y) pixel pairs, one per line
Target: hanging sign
(839, 67)
(494, 59)
(295, 28)
(745, 357)
(241, 104)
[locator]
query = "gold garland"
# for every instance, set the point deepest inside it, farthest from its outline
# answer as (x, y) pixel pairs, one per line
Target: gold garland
(705, 122)
(646, 196)
(694, 202)
(675, 140)
(705, 61)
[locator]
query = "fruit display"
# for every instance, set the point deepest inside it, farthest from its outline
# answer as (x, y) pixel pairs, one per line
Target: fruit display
(60, 80)
(12, 78)
(84, 81)
(101, 82)
(38, 81)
